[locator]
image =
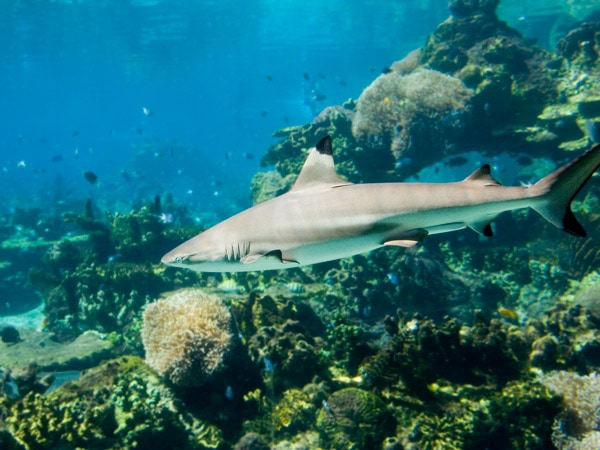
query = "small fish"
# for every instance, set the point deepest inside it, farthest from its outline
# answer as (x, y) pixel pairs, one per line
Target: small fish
(269, 77)
(592, 129)
(90, 177)
(57, 158)
(8, 385)
(166, 218)
(294, 287)
(147, 112)
(76, 153)
(328, 409)
(386, 70)
(264, 113)
(507, 312)
(393, 278)
(269, 365)
(306, 76)
(115, 258)
(21, 164)
(229, 286)
(75, 133)
(456, 161)
(248, 156)
(229, 392)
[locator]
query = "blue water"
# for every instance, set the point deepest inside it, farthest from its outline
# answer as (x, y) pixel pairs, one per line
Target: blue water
(217, 79)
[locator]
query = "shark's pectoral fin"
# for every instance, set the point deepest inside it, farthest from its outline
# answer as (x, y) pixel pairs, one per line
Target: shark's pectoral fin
(277, 254)
(408, 239)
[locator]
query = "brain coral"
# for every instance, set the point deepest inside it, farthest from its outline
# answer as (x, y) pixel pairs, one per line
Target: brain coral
(413, 115)
(186, 336)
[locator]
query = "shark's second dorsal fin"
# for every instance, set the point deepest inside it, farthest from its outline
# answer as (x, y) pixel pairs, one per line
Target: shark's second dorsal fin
(319, 168)
(483, 176)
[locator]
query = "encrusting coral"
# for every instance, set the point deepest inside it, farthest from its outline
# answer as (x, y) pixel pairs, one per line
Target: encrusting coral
(186, 336)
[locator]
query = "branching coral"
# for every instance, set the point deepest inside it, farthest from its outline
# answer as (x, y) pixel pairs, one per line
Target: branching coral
(186, 336)
(406, 113)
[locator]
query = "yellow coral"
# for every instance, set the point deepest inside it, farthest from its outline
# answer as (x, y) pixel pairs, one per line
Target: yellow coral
(186, 336)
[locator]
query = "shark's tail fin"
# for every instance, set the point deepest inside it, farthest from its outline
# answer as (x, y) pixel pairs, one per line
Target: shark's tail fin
(555, 192)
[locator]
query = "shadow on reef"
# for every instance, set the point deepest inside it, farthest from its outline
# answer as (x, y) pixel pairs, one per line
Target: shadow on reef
(459, 342)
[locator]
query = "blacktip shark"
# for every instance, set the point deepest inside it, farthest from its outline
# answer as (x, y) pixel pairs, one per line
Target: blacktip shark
(324, 217)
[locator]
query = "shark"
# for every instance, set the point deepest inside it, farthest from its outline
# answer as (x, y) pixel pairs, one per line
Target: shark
(324, 217)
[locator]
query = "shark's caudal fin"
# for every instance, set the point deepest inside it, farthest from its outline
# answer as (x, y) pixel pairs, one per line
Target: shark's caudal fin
(555, 191)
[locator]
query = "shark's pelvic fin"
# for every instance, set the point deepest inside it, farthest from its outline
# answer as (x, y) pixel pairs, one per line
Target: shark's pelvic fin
(483, 176)
(319, 168)
(409, 239)
(483, 228)
(556, 191)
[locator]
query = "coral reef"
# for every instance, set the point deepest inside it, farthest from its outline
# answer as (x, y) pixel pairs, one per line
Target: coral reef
(120, 404)
(576, 427)
(186, 336)
(354, 418)
(406, 114)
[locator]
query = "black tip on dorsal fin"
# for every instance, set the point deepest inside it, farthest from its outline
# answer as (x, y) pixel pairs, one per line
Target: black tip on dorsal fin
(483, 175)
(324, 146)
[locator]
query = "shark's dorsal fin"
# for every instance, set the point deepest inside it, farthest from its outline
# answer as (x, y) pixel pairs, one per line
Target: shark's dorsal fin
(483, 176)
(319, 168)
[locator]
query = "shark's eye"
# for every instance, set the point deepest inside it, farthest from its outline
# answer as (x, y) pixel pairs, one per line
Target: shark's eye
(178, 259)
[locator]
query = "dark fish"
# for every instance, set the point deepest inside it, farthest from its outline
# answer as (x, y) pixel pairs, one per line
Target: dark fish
(306, 76)
(321, 76)
(248, 156)
(524, 160)
(269, 77)
(319, 97)
(75, 133)
(57, 158)
(264, 113)
(456, 161)
(126, 176)
(10, 334)
(386, 70)
(554, 64)
(90, 177)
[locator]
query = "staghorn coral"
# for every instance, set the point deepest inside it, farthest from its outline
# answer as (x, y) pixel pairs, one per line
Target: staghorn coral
(410, 113)
(186, 336)
(578, 425)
